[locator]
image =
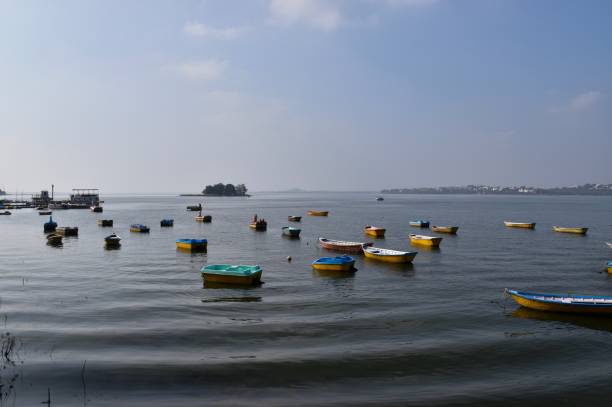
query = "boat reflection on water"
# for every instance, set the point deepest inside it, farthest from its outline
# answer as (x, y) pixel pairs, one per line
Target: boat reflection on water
(590, 321)
(334, 273)
(217, 285)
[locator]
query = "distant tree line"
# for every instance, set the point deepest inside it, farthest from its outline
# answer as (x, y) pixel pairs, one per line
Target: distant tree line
(225, 190)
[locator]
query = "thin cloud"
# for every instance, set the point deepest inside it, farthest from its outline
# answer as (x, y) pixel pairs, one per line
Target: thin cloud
(204, 70)
(581, 102)
(324, 15)
(200, 30)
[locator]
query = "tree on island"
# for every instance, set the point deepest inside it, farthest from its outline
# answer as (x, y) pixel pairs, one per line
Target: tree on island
(225, 190)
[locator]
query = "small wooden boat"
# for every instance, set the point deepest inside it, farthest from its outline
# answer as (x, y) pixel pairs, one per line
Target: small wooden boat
(166, 223)
(194, 208)
(582, 304)
(45, 212)
(194, 245)
(524, 225)
(425, 240)
(50, 226)
(339, 263)
(379, 198)
(294, 218)
(96, 208)
(318, 213)
(258, 224)
(67, 231)
(138, 228)
(610, 267)
(445, 229)
(112, 241)
(576, 231)
(54, 239)
(203, 218)
(291, 232)
(374, 231)
(420, 223)
(5, 213)
(389, 256)
(105, 223)
(232, 274)
(342, 246)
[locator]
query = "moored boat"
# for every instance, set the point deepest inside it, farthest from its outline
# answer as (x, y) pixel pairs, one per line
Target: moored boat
(112, 240)
(67, 231)
(54, 239)
(194, 245)
(419, 223)
(374, 231)
(45, 212)
(609, 245)
(318, 213)
(574, 230)
(96, 208)
(387, 255)
(379, 198)
(166, 223)
(195, 208)
(105, 222)
(50, 226)
(258, 224)
(291, 232)
(575, 303)
(610, 267)
(342, 246)
(294, 218)
(5, 213)
(139, 228)
(445, 229)
(523, 225)
(203, 218)
(339, 263)
(423, 240)
(232, 274)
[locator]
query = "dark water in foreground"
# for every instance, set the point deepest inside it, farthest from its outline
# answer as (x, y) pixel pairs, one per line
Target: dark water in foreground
(136, 327)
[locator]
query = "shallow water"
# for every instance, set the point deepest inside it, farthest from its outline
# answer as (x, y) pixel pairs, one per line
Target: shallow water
(136, 326)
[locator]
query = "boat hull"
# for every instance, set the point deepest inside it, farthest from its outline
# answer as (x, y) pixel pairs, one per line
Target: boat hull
(375, 232)
(294, 218)
(334, 267)
(258, 227)
(67, 231)
(431, 242)
(192, 247)
(354, 247)
(318, 213)
(576, 231)
(451, 230)
(550, 306)
(291, 232)
(238, 280)
(397, 258)
(105, 222)
(419, 224)
(520, 225)
(139, 230)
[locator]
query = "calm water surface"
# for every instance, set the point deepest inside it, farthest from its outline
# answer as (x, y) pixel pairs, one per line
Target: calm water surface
(137, 327)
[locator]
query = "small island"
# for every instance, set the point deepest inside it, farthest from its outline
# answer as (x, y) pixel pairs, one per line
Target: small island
(222, 190)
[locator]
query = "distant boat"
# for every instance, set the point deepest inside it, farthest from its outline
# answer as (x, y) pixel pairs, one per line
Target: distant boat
(5, 213)
(232, 274)
(45, 212)
(609, 245)
(105, 222)
(445, 229)
(112, 241)
(425, 240)
(194, 245)
(318, 213)
(203, 218)
(291, 232)
(67, 231)
(258, 224)
(342, 246)
(374, 231)
(387, 255)
(50, 226)
(96, 208)
(582, 304)
(610, 267)
(574, 230)
(166, 223)
(294, 218)
(380, 198)
(54, 239)
(419, 223)
(339, 263)
(524, 225)
(139, 228)
(194, 208)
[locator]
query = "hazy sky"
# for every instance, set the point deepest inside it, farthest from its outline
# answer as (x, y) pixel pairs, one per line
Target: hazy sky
(168, 96)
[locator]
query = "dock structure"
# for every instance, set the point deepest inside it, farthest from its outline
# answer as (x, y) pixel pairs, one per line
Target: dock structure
(85, 196)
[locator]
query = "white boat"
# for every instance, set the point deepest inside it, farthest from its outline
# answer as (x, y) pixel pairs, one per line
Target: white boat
(388, 255)
(609, 245)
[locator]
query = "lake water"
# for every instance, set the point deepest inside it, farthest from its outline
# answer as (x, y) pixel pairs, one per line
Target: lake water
(137, 327)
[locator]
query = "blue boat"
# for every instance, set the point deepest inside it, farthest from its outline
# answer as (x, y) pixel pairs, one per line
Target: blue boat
(50, 226)
(166, 223)
(581, 304)
(339, 263)
(138, 228)
(192, 244)
(420, 223)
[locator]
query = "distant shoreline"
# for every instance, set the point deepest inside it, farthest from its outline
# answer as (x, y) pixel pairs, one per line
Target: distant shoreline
(586, 189)
(219, 196)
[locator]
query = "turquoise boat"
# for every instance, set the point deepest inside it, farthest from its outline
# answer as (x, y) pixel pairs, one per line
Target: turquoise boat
(420, 223)
(232, 274)
(339, 263)
(291, 232)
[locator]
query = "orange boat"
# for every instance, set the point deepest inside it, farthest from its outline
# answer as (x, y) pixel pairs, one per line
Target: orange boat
(374, 231)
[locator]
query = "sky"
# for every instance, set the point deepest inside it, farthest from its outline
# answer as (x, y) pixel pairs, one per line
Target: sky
(169, 96)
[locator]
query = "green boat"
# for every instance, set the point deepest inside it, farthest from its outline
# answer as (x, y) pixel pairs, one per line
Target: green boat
(232, 274)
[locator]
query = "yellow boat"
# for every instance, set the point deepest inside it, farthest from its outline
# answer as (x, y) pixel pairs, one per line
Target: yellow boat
(388, 256)
(425, 240)
(610, 267)
(577, 231)
(524, 225)
(374, 231)
(581, 304)
(193, 245)
(318, 213)
(445, 229)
